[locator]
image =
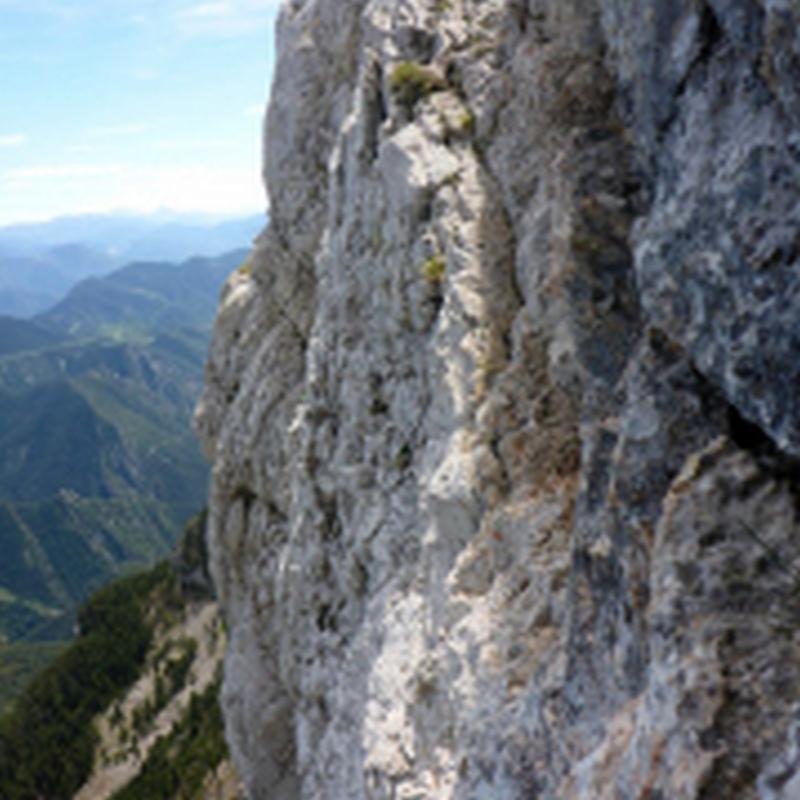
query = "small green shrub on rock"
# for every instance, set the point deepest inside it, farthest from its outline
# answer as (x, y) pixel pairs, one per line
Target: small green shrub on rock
(410, 82)
(433, 270)
(466, 122)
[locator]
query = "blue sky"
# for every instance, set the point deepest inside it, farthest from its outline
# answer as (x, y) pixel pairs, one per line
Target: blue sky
(132, 105)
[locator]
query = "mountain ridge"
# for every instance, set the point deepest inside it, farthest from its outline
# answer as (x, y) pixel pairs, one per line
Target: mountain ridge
(146, 293)
(40, 262)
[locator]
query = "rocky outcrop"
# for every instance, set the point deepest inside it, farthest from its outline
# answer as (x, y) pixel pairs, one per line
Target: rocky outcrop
(503, 409)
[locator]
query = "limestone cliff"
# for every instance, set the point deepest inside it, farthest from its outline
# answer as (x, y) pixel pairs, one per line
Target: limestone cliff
(504, 408)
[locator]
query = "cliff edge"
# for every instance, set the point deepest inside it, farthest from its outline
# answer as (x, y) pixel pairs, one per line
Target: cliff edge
(503, 409)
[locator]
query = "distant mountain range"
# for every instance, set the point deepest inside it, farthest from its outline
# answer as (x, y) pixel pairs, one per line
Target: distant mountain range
(99, 468)
(143, 296)
(40, 262)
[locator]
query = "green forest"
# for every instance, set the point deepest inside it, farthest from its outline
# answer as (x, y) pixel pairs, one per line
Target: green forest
(47, 740)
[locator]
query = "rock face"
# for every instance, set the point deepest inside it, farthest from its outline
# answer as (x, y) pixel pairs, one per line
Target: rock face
(504, 410)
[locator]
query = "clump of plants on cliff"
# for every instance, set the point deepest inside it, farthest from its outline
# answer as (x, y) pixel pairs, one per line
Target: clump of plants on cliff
(410, 82)
(434, 269)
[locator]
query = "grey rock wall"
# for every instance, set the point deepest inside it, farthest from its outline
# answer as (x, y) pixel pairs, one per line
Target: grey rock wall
(503, 410)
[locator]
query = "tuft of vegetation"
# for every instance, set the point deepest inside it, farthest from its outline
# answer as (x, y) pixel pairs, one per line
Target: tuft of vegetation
(410, 82)
(434, 269)
(47, 740)
(466, 122)
(178, 764)
(245, 269)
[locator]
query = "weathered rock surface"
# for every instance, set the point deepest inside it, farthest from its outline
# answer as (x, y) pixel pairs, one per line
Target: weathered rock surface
(504, 411)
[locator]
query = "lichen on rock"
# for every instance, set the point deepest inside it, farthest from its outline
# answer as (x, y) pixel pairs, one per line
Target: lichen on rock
(523, 525)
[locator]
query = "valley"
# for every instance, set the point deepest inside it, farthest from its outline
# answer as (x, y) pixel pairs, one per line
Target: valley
(99, 468)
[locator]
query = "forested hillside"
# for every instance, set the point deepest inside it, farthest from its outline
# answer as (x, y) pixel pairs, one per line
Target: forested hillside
(129, 710)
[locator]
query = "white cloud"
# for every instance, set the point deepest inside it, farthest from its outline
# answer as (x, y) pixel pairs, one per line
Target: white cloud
(192, 188)
(223, 18)
(55, 190)
(256, 110)
(188, 145)
(59, 171)
(214, 18)
(13, 140)
(207, 10)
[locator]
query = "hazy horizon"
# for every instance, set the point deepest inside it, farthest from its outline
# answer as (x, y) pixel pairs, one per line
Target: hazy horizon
(158, 215)
(133, 107)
